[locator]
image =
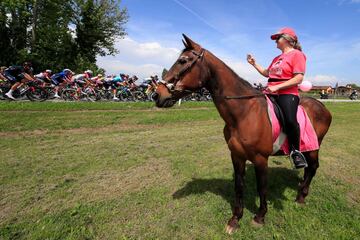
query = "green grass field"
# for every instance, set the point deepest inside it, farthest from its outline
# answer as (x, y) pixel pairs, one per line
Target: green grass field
(132, 171)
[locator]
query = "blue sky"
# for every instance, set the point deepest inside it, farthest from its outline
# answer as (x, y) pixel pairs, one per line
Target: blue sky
(329, 32)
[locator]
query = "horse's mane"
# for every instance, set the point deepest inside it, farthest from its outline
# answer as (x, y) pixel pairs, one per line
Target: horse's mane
(239, 80)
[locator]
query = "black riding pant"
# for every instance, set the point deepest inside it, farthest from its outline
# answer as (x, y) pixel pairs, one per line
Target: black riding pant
(289, 104)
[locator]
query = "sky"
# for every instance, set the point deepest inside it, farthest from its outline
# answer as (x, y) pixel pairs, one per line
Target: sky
(328, 30)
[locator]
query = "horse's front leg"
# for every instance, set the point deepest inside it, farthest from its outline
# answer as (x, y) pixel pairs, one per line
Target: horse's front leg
(261, 167)
(239, 170)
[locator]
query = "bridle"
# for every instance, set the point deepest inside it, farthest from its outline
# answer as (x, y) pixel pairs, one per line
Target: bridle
(170, 84)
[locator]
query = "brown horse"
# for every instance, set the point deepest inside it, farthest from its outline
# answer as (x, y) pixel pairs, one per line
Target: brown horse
(247, 128)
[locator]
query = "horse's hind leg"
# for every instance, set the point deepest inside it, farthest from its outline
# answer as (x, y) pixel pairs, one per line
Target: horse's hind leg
(309, 172)
(239, 170)
(261, 168)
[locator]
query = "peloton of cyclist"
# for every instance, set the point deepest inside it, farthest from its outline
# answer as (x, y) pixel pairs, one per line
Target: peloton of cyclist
(18, 75)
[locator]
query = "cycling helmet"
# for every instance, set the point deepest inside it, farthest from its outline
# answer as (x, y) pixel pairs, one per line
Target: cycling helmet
(27, 64)
(28, 67)
(48, 71)
(89, 72)
(67, 71)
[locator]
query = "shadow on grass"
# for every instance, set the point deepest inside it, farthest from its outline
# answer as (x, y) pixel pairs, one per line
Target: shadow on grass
(279, 179)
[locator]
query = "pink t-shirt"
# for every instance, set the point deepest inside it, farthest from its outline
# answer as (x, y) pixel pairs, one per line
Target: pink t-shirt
(285, 66)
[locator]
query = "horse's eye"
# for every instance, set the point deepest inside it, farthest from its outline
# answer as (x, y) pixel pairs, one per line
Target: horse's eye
(182, 60)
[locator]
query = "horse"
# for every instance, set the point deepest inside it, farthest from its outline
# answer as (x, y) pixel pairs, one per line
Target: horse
(248, 130)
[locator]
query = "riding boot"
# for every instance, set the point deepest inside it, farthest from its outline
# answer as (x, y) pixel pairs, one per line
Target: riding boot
(298, 158)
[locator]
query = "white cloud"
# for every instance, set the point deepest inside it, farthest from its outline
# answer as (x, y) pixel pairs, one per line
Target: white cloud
(141, 59)
(324, 80)
(244, 70)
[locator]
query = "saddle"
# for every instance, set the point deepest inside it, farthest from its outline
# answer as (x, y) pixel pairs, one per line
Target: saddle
(308, 137)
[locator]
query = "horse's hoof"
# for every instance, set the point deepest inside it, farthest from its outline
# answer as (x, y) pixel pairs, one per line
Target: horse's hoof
(300, 201)
(256, 224)
(232, 225)
(230, 229)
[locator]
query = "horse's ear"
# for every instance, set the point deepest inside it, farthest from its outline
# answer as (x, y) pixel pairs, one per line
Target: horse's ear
(185, 44)
(190, 43)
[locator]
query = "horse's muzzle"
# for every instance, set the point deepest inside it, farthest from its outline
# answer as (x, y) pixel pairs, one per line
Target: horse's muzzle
(155, 96)
(164, 103)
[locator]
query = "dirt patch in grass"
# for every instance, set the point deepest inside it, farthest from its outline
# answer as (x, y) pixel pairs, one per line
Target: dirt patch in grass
(123, 126)
(113, 184)
(154, 109)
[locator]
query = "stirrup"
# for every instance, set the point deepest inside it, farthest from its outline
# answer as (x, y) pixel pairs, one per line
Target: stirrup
(298, 159)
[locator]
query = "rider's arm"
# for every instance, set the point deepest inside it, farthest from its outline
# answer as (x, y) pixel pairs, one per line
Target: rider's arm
(67, 79)
(28, 77)
(259, 68)
(297, 79)
(2, 77)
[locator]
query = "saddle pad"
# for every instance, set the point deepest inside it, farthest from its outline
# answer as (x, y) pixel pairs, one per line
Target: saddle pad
(308, 137)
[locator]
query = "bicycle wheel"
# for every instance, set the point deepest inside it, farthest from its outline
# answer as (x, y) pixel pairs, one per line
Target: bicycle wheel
(68, 94)
(139, 96)
(3, 90)
(91, 95)
(37, 94)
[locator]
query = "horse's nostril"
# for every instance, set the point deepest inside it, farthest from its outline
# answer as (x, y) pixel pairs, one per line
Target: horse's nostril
(155, 96)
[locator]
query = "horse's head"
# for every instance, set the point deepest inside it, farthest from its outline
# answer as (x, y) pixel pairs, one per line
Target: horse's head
(185, 76)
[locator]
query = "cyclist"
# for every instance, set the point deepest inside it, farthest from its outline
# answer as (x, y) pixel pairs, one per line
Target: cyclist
(83, 79)
(116, 82)
(17, 75)
(60, 79)
(45, 76)
(131, 82)
(107, 83)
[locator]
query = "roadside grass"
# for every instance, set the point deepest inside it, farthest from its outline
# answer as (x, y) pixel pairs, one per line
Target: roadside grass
(131, 171)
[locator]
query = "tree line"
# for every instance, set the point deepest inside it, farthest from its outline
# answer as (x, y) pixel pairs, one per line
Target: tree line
(57, 34)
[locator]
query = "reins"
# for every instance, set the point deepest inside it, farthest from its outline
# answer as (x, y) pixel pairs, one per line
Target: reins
(243, 96)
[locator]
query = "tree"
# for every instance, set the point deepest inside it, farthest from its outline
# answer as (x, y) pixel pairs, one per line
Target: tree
(14, 21)
(98, 25)
(52, 42)
(5, 42)
(60, 33)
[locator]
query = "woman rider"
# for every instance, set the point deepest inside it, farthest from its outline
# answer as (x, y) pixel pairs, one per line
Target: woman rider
(284, 74)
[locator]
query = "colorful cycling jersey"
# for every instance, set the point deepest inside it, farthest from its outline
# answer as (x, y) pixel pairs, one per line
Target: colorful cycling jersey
(17, 70)
(42, 76)
(80, 77)
(15, 73)
(58, 78)
(117, 79)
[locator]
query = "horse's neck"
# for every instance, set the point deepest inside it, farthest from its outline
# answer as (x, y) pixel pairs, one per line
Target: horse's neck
(222, 82)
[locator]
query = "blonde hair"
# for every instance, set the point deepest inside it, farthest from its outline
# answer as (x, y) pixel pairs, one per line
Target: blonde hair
(293, 42)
